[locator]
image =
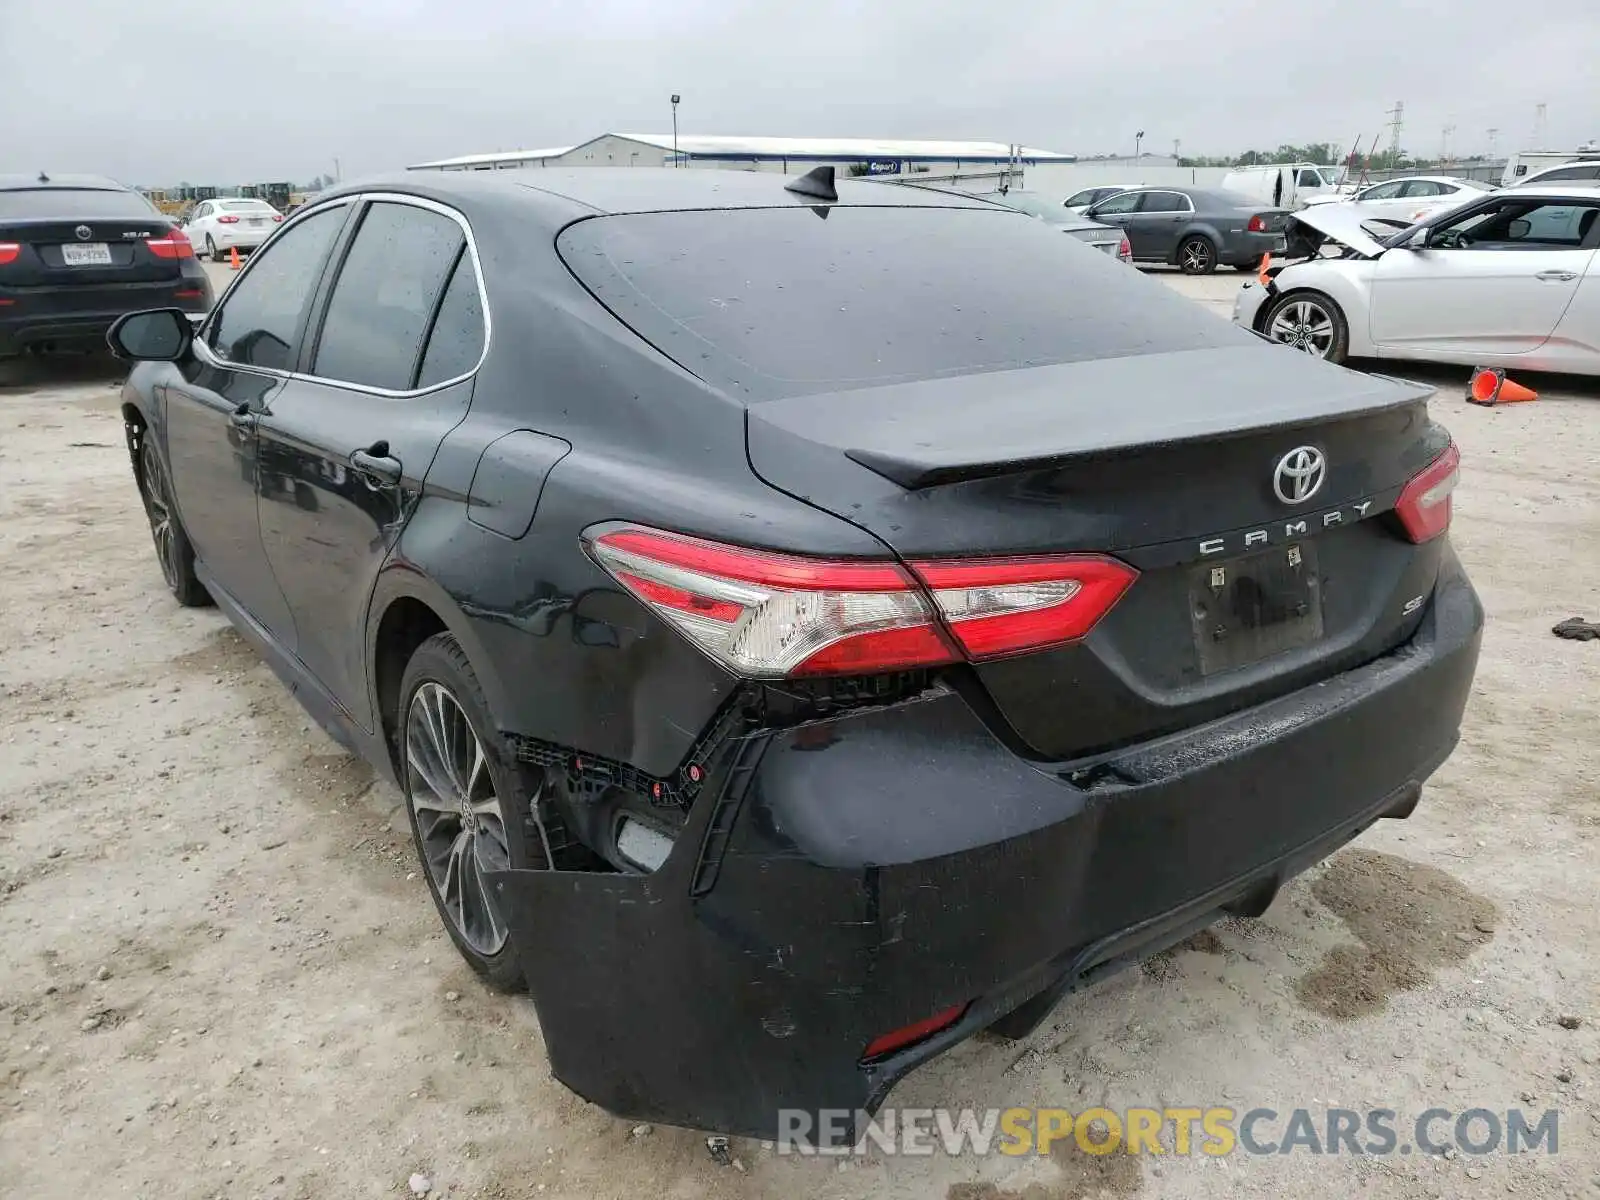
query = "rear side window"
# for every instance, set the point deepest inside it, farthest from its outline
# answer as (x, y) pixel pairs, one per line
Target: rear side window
(391, 281)
(44, 204)
(256, 324)
(456, 343)
(1164, 202)
(1118, 202)
(771, 303)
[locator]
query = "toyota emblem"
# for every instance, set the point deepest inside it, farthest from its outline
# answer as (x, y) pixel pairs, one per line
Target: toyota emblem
(84, 233)
(1299, 475)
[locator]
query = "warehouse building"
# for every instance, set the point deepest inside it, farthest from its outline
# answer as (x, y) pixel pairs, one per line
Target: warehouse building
(784, 155)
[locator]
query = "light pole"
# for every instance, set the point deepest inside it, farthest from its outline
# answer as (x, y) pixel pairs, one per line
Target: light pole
(1138, 139)
(676, 161)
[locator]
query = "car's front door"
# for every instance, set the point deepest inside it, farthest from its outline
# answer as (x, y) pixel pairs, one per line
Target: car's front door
(1493, 281)
(242, 356)
(1119, 210)
(385, 373)
(1160, 222)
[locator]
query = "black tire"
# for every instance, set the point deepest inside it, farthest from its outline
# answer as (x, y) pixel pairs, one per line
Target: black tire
(1313, 322)
(174, 551)
(1197, 255)
(441, 666)
(211, 249)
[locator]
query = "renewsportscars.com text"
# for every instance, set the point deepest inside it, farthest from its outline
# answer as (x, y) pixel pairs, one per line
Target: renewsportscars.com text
(1177, 1131)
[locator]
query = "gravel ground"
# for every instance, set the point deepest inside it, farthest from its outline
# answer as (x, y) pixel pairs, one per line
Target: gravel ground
(220, 975)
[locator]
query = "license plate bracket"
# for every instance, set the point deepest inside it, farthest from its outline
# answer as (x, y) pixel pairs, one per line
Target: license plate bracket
(86, 254)
(1252, 607)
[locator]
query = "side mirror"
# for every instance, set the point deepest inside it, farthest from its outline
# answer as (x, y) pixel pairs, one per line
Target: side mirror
(157, 335)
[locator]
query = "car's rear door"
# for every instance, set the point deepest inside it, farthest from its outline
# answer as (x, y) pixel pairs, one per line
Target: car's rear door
(385, 373)
(1494, 281)
(209, 413)
(1160, 221)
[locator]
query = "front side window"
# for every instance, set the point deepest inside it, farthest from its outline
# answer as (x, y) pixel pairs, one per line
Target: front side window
(1520, 225)
(1422, 187)
(1310, 179)
(390, 282)
(1384, 191)
(258, 320)
(1122, 202)
(1086, 197)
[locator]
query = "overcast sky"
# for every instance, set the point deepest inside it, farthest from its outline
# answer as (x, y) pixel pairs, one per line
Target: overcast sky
(229, 91)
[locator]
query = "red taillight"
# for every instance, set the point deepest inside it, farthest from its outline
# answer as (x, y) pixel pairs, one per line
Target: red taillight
(175, 244)
(186, 294)
(227, 220)
(277, 218)
(1000, 607)
(899, 1039)
(762, 614)
(1424, 504)
(9, 252)
(1256, 225)
(1125, 250)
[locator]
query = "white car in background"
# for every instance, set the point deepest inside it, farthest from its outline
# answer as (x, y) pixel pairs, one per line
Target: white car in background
(1511, 280)
(1410, 199)
(217, 226)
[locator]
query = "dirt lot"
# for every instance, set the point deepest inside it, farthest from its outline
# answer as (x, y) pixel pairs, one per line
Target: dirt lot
(220, 975)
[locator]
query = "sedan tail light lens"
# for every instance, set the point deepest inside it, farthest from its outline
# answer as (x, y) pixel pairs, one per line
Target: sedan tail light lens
(9, 252)
(227, 220)
(1256, 224)
(174, 244)
(1424, 505)
(1125, 250)
(277, 218)
(1000, 607)
(763, 614)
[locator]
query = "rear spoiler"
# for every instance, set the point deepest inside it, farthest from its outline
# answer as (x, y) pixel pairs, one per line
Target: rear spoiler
(941, 431)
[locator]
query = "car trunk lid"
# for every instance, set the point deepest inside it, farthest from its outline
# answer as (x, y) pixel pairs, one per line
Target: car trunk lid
(1176, 463)
(70, 252)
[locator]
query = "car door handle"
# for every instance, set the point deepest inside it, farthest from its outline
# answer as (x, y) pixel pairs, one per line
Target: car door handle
(1557, 276)
(242, 417)
(376, 465)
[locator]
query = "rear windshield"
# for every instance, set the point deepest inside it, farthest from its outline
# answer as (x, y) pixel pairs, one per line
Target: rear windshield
(770, 303)
(44, 204)
(245, 206)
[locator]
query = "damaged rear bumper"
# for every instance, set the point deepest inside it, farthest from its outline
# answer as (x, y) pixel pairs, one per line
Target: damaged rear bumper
(848, 878)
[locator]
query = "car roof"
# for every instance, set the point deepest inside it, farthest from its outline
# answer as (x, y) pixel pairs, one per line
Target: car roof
(595, 191)
(1578, 189)
(43, 181)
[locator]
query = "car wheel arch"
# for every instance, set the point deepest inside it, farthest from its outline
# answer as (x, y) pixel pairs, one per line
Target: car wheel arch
(406, 609)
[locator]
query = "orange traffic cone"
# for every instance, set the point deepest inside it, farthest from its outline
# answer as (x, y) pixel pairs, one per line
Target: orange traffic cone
(233, 258)
(1490, 386)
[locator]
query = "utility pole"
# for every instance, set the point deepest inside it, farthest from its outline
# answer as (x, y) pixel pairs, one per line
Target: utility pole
(1539, 126)
(338, 175)
(1396, 117)
(1444, 144)
(1494, 134)
(676, 161)
(1138, 140)
(1177, 145)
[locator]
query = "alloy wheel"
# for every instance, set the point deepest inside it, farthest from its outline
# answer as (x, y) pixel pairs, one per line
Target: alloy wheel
(460, 822)
(1306, 326)
(158, 505)
(1197, 257)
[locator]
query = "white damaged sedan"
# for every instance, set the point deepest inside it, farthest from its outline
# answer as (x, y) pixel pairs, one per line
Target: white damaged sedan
(1512, 280)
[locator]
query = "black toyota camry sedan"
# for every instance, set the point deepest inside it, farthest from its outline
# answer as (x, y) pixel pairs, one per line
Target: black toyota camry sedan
(810, 622)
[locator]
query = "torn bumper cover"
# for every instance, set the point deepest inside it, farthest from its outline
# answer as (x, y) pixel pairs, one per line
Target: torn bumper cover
(845, 879)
